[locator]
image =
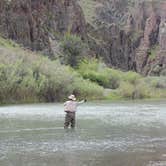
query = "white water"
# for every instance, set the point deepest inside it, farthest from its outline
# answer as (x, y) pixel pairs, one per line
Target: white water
(107, 134)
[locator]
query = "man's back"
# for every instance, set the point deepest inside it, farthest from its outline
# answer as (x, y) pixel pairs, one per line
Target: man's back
(70, 106)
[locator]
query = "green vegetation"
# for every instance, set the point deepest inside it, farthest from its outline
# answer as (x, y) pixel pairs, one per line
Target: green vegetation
(122, 85)
(73, 49)
(7, 43)
(98, 72)
(28, 77)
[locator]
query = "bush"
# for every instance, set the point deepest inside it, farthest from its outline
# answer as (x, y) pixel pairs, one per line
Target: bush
(27, 77)
(126, 85)
(156, 82)
(16, 83)
(87, 89)
(8, 43)
(131, 77)
(140, 90)
(73, 49)
(113, 95)
(114, 78)
(97, 72)
(126, 90)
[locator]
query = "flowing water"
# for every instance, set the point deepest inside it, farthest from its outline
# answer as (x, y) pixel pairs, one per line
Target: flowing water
(107, 134)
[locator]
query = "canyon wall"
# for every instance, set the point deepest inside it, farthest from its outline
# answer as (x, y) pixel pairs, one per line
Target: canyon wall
(39, 24)
(126, 34)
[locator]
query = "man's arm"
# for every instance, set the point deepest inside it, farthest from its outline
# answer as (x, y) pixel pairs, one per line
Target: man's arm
(81, 102)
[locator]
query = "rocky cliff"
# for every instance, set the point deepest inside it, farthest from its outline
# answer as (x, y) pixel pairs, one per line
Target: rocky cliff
(128, 34)
(38, 24)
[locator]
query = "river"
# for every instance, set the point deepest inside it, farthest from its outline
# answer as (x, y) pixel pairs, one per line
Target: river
(107, 134)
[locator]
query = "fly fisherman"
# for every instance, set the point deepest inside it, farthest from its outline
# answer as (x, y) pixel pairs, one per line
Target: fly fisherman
(70, 108)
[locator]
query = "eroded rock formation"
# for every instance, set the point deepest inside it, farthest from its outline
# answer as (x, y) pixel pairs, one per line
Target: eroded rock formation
(36, 23)
(128, 34)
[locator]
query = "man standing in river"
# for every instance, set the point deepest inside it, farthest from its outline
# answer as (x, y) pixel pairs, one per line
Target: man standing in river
(70, 108)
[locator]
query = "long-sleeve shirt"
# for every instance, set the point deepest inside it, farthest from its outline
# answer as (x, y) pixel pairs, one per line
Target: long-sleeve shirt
(71, 106)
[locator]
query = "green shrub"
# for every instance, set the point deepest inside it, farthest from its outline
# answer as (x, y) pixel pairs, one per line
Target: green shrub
(27, 77)
(99, 73)
(127, 85)
(73, 49)
(114, 78)
(16, 83)
(87, 89)
(140, 90)
(8, 43)
(156, 82)
(113, 95)
(131, 77)
(126, 90)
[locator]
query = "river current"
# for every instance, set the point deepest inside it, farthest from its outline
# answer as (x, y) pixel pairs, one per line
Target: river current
(106, 134)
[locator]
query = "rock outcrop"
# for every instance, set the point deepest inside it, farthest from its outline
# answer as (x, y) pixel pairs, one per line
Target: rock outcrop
(37, 23)
(151, 53)
(127, 34)
(130, 34)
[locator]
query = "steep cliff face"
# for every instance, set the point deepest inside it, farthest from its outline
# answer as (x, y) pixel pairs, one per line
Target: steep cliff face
(129, 34)
(37, 24)
(151, 54)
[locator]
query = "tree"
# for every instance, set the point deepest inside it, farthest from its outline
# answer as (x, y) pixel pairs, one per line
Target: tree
(73, 49)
